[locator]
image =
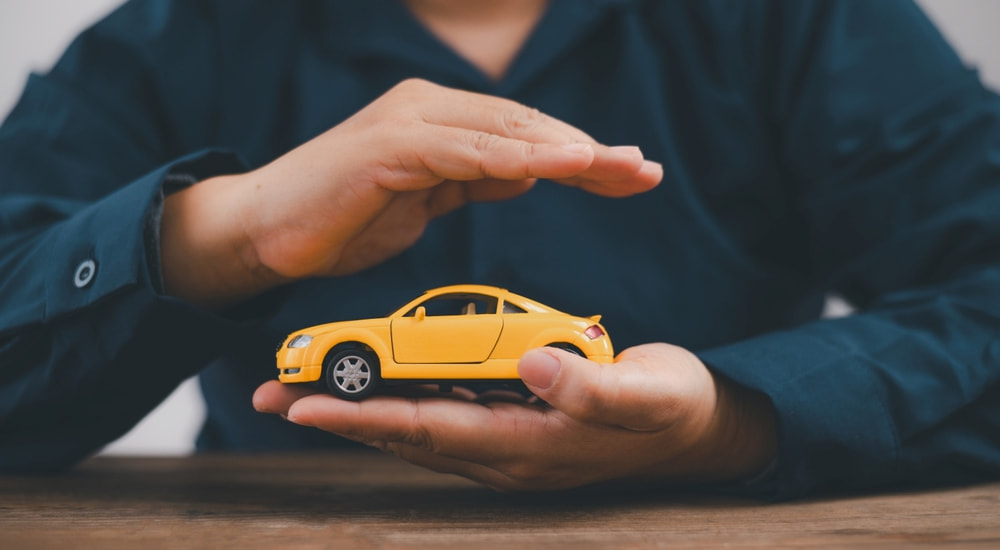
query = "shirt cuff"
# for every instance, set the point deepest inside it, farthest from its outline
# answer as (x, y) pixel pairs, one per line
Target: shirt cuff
(831, 419)
(114, 243)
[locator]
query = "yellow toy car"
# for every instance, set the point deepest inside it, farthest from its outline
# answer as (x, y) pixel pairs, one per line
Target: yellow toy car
(461, 333)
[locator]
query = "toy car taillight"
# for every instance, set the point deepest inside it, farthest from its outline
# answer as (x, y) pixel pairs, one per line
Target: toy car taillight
(594, 332)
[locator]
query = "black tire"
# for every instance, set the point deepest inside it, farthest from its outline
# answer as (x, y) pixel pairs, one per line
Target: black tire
(567, 347)
(351, 373)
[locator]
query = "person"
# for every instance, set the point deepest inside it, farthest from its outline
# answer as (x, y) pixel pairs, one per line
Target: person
(194, 180)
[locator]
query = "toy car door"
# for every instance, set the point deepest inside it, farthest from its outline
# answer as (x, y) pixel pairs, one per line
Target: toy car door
(451, 328)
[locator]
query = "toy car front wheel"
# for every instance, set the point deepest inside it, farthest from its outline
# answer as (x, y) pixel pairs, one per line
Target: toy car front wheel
(351, 373)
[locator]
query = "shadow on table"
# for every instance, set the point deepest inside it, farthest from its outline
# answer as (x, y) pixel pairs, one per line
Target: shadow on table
(359, 488)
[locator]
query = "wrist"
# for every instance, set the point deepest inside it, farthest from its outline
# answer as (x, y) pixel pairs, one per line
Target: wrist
(740, 441)
(746, 437)
(206, 252)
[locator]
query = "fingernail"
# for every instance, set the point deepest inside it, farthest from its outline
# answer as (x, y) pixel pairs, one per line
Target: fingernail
(539, 369)
(577, 147)
(651, 168)
(626, 150)
(293, 416)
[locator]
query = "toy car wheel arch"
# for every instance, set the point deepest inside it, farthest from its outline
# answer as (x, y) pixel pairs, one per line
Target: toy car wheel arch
(351, 372)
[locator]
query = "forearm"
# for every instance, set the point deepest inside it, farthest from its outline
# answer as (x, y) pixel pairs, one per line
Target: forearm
(74, 385)
(84, 358)
(897, 393)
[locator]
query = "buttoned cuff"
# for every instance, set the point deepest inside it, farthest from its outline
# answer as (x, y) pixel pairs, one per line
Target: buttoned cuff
(831, 419)
(112, 244)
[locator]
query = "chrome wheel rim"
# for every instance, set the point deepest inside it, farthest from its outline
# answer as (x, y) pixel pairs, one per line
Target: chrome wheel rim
(352, 374)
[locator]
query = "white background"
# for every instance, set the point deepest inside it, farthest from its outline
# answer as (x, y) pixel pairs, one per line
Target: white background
(34, 32)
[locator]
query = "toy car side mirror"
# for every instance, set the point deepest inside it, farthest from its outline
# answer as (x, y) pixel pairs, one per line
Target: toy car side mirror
(420, 313)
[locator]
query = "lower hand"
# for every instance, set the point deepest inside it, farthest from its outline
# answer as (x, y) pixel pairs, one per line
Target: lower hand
(655, 414)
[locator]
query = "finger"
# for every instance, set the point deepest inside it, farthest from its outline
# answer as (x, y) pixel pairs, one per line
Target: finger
(465, 155)
(616, 180)
(486, 113)
(438, 153)
(462, 155)
(504, 446)
(467, 431)
(625, 394)
(616, 172)
(275, 397)
(504, 117)
(613, 163)
(429, 390)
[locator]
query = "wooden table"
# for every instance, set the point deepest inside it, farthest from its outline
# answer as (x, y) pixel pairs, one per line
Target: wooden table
(367, 500)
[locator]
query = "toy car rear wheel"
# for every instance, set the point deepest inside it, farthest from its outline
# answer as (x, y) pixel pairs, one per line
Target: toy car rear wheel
(351, 373)
(567, 347)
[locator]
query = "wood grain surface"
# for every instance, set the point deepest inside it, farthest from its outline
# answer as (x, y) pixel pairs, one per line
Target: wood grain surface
(367, 500)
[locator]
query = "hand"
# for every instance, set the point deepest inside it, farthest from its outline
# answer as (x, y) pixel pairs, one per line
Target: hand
(365, 190)
(656, 414)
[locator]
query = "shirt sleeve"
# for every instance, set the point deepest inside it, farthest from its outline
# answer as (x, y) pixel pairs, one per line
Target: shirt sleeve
(88, 342)
(891, 151)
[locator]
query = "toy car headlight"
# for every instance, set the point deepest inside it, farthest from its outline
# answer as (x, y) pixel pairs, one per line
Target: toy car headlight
(300, 341)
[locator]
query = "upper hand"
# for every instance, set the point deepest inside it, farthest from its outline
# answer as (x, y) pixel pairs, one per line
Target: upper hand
(655, 414)
(365, 190)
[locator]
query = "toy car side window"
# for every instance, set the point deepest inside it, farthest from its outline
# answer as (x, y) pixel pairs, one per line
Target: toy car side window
(512, 308)
(458, 304)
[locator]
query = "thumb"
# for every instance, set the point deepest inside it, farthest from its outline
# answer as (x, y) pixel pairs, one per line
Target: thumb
(582, 389)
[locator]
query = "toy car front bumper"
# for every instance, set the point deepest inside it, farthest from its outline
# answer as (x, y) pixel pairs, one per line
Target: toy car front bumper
(300, 374)
(292, 367)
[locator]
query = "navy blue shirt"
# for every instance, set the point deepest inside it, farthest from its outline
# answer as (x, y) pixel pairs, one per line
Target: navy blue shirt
(808, 147)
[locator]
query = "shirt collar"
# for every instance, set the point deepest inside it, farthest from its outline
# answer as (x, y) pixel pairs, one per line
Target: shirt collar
(376, 31)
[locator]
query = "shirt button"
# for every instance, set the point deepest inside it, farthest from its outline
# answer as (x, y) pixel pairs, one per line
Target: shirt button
(84, 273)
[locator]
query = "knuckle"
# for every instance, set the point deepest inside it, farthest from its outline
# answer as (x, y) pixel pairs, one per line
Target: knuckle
(519, 121)
(413, 85)
(421, 439)
(403, 100)
(527, 150)
(483, 141)
(418, 435)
